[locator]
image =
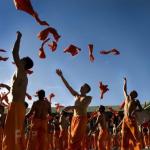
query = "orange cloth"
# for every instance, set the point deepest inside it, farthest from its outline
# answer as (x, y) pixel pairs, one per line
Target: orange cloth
(63, 137)
(13, 137)
(38, 138)
(56, 139)
(1, 137)
(78, 130)
(130, 135)
(25, 5)
(102, 138)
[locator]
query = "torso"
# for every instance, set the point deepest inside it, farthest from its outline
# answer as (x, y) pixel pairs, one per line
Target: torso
(19, 87)
(129, 108)
(41, 109)
(102, 122)
(82, 103)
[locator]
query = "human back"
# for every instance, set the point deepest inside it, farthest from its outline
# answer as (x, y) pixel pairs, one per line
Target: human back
(41, 109)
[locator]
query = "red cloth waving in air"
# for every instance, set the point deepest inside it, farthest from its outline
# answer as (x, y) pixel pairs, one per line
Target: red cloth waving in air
(72, 49)
(2, 50)
(103, 89)
(53, 46)
(58, 107)
(3, 58)
(25, 5)
(113, 51)
(91, 57)
(41, 50)
(44, 34)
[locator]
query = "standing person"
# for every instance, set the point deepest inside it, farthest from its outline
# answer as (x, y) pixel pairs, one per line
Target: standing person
(14, 125)
(130, 132)
(79, 119)
(38, 138)
(64, 124)
(103, 131)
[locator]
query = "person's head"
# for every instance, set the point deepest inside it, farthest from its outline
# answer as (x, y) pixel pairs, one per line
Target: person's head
(40, 94)
(101, 109)
(28, 63)
(85, 89)
(133, 94)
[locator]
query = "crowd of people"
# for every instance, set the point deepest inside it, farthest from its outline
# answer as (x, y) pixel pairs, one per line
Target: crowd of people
(73, 128)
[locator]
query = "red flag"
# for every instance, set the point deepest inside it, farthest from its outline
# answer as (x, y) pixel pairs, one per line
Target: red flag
(53, 46)
(58, 107)
(113, 51)
(91, 57)
(3, 58)
(72, 49)
(25, 5)
(44, 34)
(41, 50)
(103, 89)
(2, 50)
(42, 53)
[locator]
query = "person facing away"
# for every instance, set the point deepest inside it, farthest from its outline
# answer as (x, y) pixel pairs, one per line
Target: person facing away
(79, 119)
(38, 138)
(130, 132)
(102, 126)
(13, 130)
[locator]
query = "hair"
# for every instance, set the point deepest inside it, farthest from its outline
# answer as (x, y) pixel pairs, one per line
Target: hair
(133, 94)
(28, 63)
(88, 87)
(102, 108)
(40, 94)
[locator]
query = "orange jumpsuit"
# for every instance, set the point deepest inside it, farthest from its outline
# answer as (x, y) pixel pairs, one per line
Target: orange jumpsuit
(130, 135)
(13, 137)
(78, 130)
(38, 138)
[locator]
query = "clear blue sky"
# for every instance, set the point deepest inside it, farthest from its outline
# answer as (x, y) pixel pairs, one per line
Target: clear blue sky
(121, 24)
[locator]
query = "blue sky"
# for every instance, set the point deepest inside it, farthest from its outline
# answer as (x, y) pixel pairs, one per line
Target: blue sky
(121, 24)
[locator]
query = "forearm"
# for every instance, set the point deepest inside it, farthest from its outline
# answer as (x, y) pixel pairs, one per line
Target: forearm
(68, 86)
(15, 51)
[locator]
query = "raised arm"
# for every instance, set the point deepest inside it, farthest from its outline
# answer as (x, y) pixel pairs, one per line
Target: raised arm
(30, 113)
(71, 90)
(125, 88)
(15, 51)
(139, 105)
